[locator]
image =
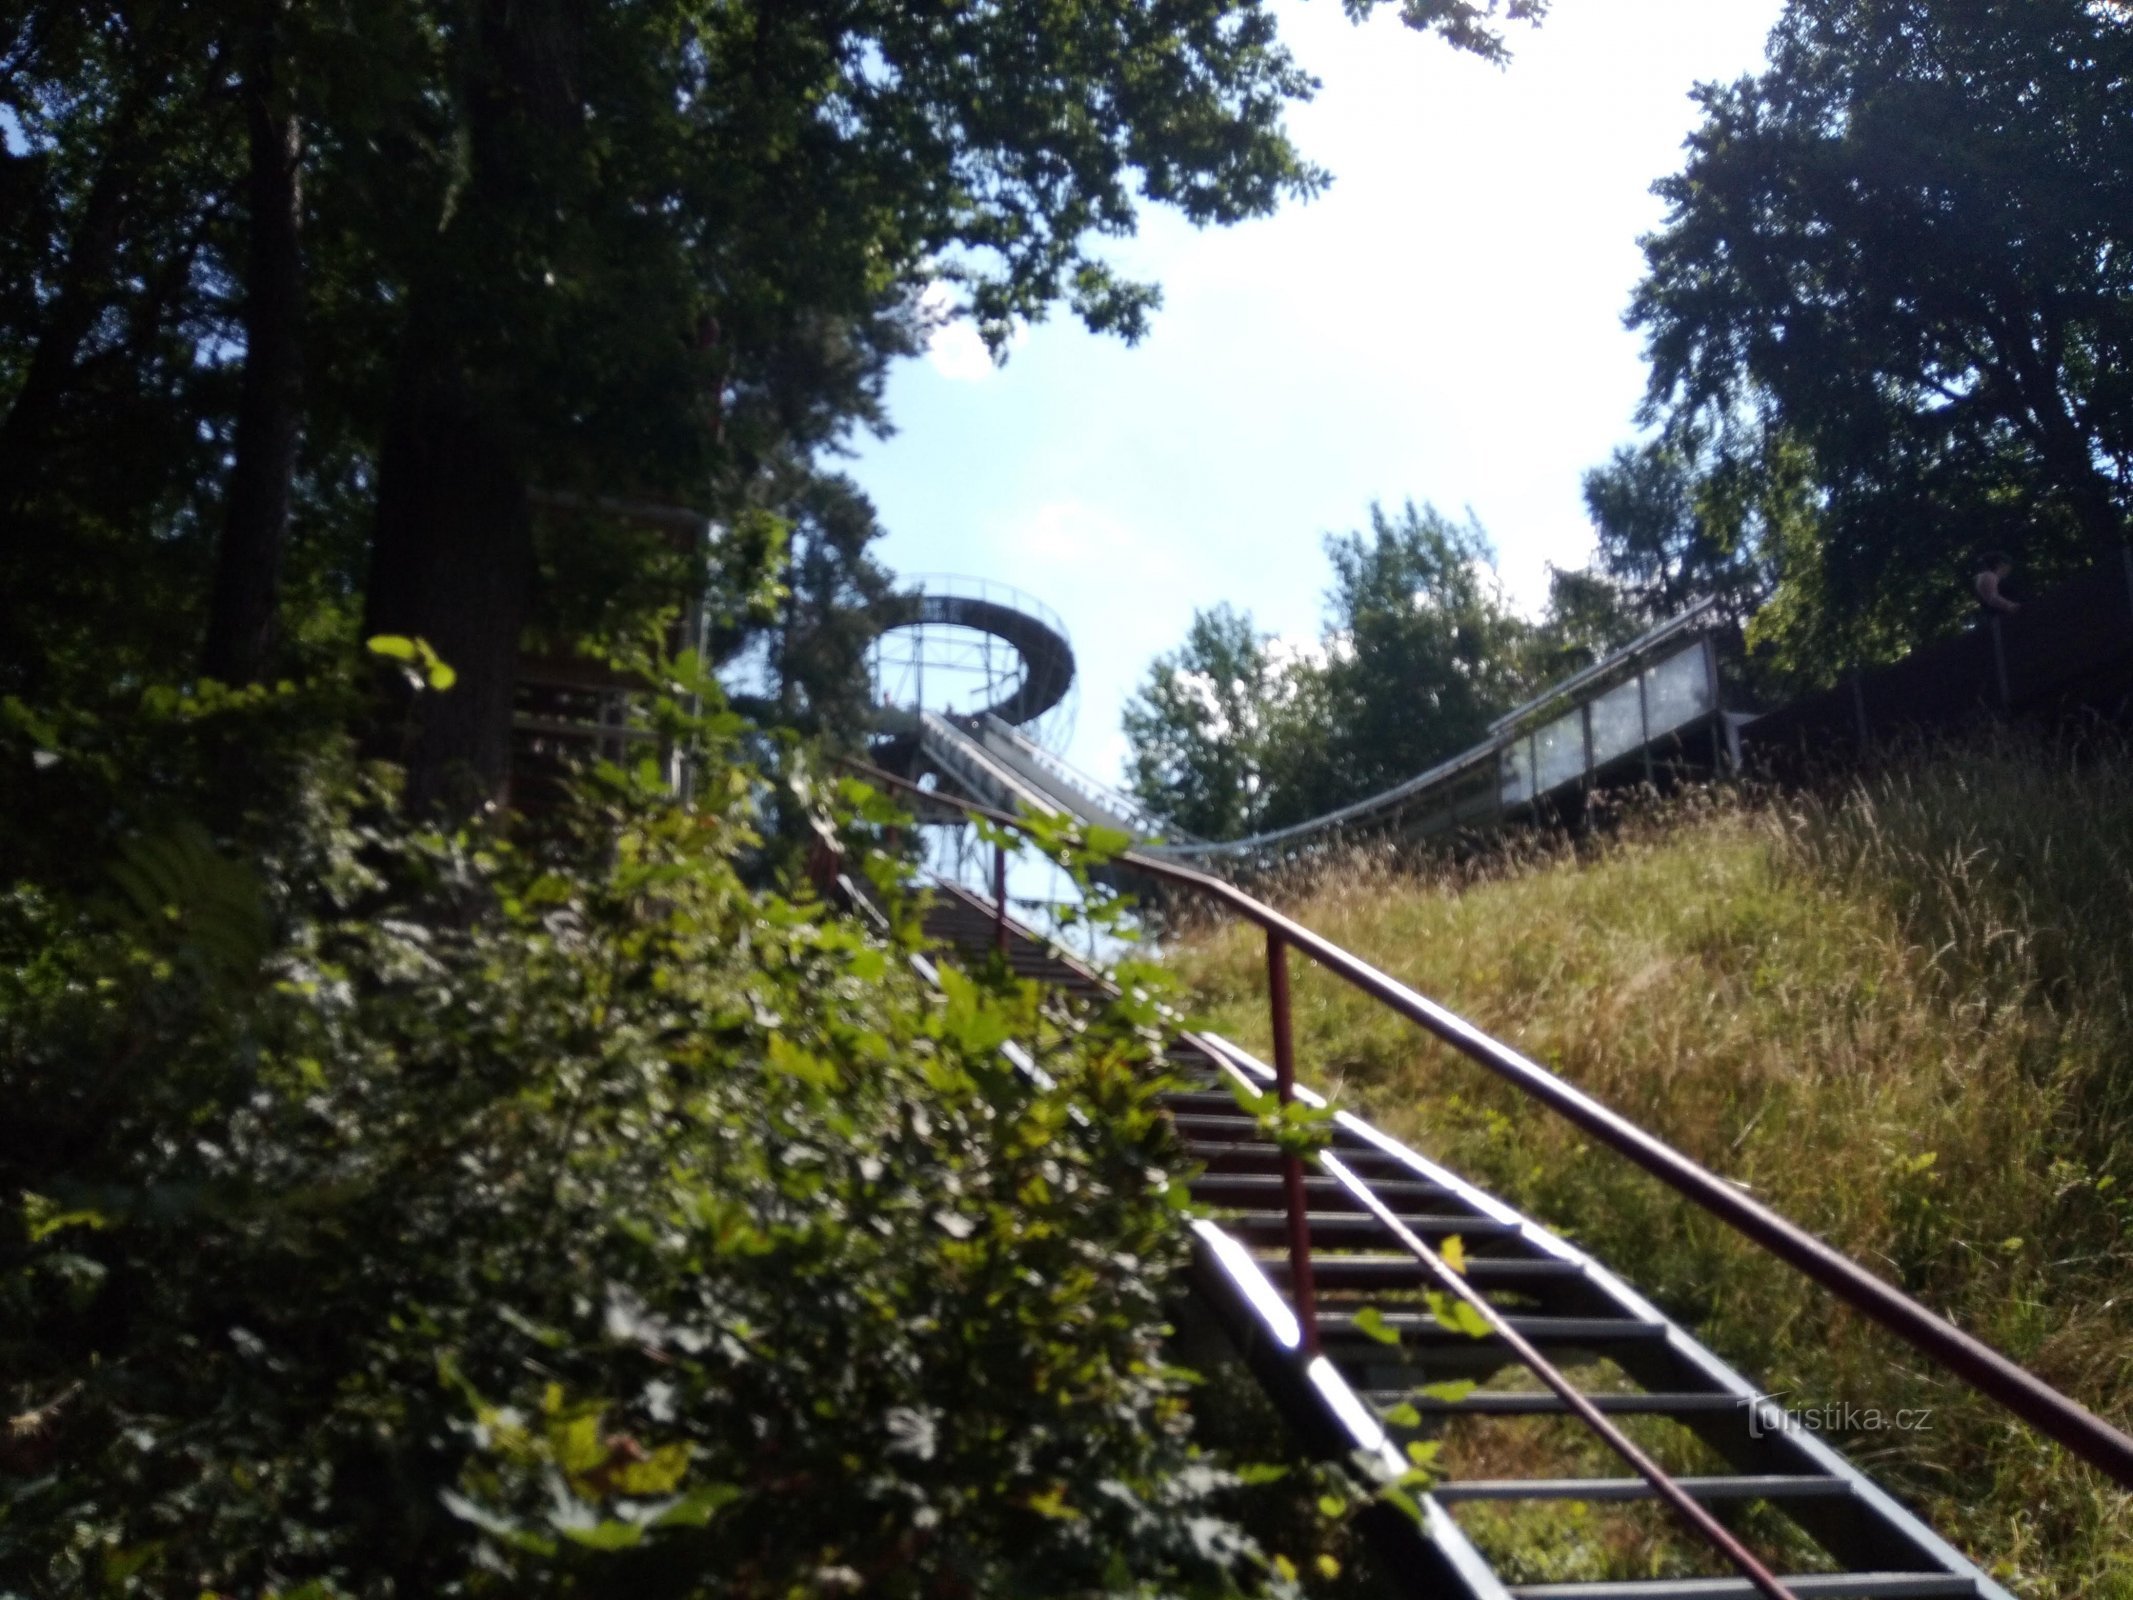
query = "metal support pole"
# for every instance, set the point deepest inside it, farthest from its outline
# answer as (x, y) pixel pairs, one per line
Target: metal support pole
(1301, 1289)
(1644, 722)
(999, 898)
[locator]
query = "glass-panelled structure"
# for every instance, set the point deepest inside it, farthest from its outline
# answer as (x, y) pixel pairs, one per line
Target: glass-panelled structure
(1517, 771)
(1559, 751)
(1678, 690)
(1671, 694)
(1618, 721)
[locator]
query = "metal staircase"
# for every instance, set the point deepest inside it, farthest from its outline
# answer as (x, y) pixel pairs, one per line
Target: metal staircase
(1566, 1341)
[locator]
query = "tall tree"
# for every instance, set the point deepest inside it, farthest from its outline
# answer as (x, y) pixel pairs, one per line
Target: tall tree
(1908, 245)
(1424, 647)
(766, 158)
(771, 162)
(1589, 616)
(1204, 726)
(248, 561)
(835, 593)
(646, 251)
(1236, 731)
(1683, 518)
(114, 175)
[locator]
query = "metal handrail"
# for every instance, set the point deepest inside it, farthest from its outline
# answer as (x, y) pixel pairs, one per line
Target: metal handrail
(1685, 1505)
(1304, 1297)
(1977, 1363)
(1327, 822)
(1120, 804)
(1643, 645)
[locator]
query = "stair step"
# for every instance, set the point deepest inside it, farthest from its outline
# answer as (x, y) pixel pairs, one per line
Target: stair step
(1331, 1227)
(1763, 1486)
(1235, 1128)
(1203, 1102)
(1259, 1188)
(1420, 1327)
(1533, 1403)
(1808, 1586)
(1337, 1272)
(1263, 1155)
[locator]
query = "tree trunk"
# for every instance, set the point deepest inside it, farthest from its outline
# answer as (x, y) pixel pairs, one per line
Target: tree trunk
(452, 560)
(248, 562)
(83, 288)
(451, 563)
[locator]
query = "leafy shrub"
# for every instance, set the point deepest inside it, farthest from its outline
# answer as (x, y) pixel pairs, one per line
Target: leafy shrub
(398, 1211)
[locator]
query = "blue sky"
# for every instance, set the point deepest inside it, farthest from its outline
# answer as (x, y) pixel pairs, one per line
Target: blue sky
(1444, 324)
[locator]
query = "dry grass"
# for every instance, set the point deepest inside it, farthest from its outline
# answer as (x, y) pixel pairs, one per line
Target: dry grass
(1902, 1012)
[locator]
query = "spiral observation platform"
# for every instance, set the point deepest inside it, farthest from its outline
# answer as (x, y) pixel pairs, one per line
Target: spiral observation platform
(975, 691)
(968, 648)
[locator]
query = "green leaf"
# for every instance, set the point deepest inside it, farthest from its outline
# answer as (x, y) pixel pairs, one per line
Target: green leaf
(1102, 844)
(791, 1061)
(1371, 1323)
(428, 669)
(698, 1506)
(1052, 1503)
(1458, 1316)
(1393, 1495)
(613, 1534)
(43, 1217)
(657, 1474)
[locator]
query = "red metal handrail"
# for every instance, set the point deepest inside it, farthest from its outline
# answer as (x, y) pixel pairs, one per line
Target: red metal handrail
(1303, 1288)
(1977, 1363)
(1685, 1505)
(1664, 1485)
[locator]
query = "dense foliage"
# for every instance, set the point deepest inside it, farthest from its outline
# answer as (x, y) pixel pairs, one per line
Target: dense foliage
(576, 1204)
(1890, 299)
(399, 1211)
(312, 314)
(1235, 731)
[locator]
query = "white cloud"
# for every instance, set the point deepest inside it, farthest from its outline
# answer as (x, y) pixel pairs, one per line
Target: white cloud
(958, 353)
(1066, 533)
(954, 346)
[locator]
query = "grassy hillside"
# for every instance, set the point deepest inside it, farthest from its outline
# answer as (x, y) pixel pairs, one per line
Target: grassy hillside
(1902, 1013)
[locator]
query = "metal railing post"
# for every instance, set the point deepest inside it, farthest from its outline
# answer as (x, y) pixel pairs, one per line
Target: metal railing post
(1976, 1363)
(999, 898)
(1302, 1290)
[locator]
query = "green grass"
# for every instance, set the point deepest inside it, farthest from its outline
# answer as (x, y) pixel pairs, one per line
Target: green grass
(1901, 1012)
